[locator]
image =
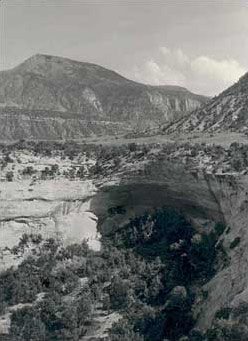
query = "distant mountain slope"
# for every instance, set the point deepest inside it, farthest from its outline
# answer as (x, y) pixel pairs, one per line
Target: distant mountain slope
(16, 124)
(93, 93)
(226, 112)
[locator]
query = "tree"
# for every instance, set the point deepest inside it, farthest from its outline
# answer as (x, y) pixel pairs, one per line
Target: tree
(9, 176)
(122, 331)
(26, 325)
(119, 293)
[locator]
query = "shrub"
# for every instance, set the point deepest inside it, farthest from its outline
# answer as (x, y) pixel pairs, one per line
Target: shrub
(235, 242)
(178, 309)
(240, 310)
(211, 334)
(26, 325)
(9, 176)
(223, 313)
(122, 331)
(204, 294)
(132, 147)
(196, 335)
(219, 228)
(28, 171)
(119, 293)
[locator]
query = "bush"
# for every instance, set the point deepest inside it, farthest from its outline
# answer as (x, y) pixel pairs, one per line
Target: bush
(122, 331)
(28, 171)
(9, 176)
(177, 310)
(223, 313)
(202, 257)
(132, 147)
(235, 242)
(196, 335)
(212, 334)
(119, 293)
(26, 325)
(220, 228)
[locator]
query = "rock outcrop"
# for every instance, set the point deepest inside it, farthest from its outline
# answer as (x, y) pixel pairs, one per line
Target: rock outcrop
(53, 209)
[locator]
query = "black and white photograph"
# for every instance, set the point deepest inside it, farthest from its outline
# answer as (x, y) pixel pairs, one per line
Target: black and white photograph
(123, 170)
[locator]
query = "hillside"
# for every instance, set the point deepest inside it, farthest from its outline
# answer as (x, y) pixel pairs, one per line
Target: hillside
(226, 112)
(64, 88)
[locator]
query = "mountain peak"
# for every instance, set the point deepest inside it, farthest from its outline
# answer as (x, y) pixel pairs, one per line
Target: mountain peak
(48, 59)
(54, 67)
(38, 63)
(40, 59)
(38, 56)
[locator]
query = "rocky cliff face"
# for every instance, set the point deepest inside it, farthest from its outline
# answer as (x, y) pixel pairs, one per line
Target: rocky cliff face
(229, 286)
(56, 207)
(81, 92)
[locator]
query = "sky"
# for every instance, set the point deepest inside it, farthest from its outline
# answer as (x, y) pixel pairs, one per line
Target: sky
(199, 44)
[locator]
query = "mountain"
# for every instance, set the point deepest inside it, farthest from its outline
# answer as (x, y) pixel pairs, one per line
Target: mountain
(226, 112)
(53, 96)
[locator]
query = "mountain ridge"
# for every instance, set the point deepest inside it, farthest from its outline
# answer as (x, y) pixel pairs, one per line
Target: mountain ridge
(42, 57)
(226, 112)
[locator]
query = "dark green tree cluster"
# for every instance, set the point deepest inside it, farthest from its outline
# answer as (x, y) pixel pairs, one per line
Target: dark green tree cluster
(147, 272)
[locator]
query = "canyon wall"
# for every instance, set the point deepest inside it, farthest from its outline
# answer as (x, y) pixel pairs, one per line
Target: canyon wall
(53, 208)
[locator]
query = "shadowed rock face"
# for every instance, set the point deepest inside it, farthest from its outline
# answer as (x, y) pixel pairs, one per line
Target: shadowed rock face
(46, 86)
(160, 184)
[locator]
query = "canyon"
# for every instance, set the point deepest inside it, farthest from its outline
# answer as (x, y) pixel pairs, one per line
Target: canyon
(73, 209)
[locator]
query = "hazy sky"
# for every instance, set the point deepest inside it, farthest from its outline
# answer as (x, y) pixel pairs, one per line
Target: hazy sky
(199, 44)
